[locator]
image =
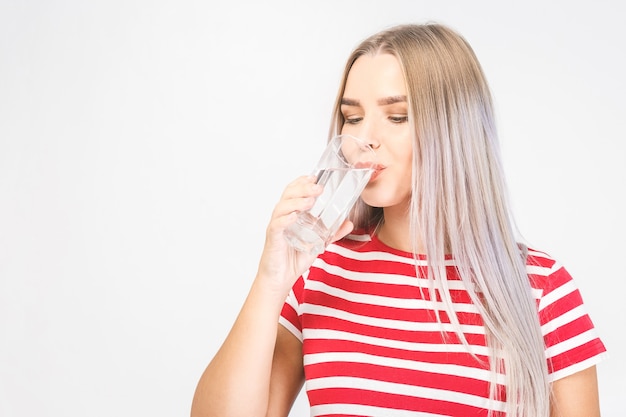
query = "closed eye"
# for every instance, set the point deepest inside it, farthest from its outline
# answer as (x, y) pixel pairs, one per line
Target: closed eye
(399, 119)
(352, 120)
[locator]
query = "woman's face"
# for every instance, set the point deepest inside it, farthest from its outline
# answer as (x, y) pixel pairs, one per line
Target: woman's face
(375, 109)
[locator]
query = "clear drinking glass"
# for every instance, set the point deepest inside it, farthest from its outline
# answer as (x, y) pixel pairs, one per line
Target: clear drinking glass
(344, 169)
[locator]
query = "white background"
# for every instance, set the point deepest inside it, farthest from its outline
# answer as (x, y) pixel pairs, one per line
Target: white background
(143, 145)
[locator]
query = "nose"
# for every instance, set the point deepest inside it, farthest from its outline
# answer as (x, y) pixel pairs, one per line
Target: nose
(372, 142)
(371, 134)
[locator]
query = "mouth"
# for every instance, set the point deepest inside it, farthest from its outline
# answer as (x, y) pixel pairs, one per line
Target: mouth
(377, 170)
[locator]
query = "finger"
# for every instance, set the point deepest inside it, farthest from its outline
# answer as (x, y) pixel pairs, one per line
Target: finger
(286, 207)
(300, 195)
(279, 224)
(302, 187)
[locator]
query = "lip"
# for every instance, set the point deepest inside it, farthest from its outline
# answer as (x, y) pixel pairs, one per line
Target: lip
(377, 170)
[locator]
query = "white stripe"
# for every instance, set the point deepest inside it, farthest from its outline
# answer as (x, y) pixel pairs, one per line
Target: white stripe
(563, 319)
(551, 269)
(359, 238)
(387, 323)
(379, 300)
(402, 389)
(538, 254)
(557, 294)
(572, 343)
(394, 344)
(380, 256)
(398, 279)
(292, 300)
(577, 367)
(437, 368)
(372, 255)
(538, 270)
(287, 325)
(537, 293)
(364, 410)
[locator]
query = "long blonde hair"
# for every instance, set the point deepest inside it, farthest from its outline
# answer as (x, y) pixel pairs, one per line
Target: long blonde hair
(459, 202)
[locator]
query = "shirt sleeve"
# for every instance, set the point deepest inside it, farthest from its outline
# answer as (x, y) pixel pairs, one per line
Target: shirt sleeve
(572, 342)
(290, 314)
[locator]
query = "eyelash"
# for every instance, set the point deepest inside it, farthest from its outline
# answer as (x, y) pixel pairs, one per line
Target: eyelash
(399, 119)
(393, 119)
(352, 121)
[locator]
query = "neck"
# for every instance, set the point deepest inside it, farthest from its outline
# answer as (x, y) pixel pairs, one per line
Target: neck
(395, 232)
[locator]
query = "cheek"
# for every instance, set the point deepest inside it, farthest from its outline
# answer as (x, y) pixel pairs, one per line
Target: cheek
(395, 185)
(404, 168)
(408, 172)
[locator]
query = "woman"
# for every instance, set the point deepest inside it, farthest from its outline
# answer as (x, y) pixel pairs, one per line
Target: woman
(425, 304)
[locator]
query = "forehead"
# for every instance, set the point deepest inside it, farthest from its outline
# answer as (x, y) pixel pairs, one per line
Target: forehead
(379, 74)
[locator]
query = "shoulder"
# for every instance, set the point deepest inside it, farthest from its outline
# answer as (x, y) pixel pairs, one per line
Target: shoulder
(546, 273)
(572, 342)
(555, 290)
(539, 259)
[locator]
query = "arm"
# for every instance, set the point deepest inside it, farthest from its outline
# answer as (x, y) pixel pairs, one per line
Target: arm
(576, 395)
(258, 369)
(237, 380)
(287, 373)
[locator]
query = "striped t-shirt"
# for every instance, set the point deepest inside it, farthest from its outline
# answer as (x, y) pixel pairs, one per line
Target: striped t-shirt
(372, 345)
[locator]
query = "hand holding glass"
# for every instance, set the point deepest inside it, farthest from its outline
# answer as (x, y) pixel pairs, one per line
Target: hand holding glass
(344, 170)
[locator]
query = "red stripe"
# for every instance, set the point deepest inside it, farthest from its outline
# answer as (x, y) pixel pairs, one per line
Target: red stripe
(393, 401)
(576, 355)
(414, 336)
(291, 315)
(461, 358)
(436, 340)
(560, 307)
(569, 330)
(420, 315)
(433, 380)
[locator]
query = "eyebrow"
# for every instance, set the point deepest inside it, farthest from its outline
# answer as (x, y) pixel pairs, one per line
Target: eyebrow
(381, 101)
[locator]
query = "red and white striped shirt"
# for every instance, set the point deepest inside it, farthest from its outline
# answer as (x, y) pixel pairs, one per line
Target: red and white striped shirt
(372, 344)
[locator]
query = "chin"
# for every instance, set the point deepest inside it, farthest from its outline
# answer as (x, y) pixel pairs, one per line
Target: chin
(374, 199)
(376, 195)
